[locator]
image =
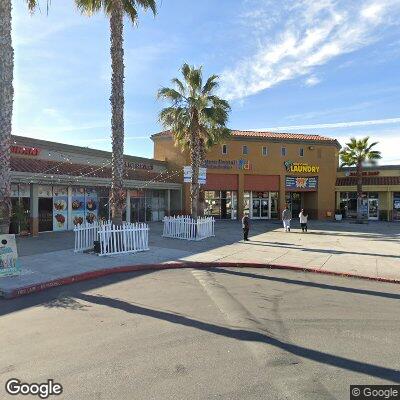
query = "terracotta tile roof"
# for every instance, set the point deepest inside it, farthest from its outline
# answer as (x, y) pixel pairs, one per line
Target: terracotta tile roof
(54, 168)
(270, 135)
(368, 180)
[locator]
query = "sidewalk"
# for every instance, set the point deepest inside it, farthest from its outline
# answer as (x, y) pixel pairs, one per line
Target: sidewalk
(371, 250)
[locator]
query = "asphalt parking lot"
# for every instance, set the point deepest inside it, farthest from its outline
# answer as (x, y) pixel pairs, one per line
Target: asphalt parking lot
(204, 334)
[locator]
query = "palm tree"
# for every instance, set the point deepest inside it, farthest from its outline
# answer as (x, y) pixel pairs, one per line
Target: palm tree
(358, 153)
(197, 118)
(6, 108)
(115, 10)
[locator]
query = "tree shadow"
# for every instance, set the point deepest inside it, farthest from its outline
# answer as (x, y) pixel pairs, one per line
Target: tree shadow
(64, 301)
(251, 336)
(306, 283)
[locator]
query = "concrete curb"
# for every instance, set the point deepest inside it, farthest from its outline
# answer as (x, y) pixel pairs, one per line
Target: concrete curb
(25, 290)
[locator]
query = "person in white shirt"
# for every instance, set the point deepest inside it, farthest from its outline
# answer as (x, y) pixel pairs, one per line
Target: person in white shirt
(303, 220)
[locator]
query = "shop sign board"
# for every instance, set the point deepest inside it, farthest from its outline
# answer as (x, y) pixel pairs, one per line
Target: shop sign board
(24, 150)
(301, 182)
(228, 164)
(301, 167)
(9, 263)
(138, 165)
(187, 175)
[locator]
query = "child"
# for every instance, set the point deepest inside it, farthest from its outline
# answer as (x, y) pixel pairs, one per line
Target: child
(303, 220)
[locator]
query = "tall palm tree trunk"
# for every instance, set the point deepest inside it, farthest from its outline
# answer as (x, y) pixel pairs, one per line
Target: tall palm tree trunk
(6, 108)
(359, 192)
(117, 108)
(195, 161)
(202, 200)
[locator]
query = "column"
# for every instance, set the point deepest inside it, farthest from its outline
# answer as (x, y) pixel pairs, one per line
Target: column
(34, 209)
(240, 195)
(128, 206)
(168, 202)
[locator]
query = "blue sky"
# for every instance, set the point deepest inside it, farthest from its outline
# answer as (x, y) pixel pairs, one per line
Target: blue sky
(327, 67)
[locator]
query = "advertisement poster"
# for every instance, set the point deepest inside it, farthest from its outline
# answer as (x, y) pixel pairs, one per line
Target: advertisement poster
(202, 176)
(9, 264)
(301, 183)
(60, 213)
(78, 205)
(187, 174)
(91, 205)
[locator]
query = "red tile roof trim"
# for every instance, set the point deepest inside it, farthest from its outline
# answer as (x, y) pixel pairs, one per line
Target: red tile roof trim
(54, 168)
(368, 180)
(264, 134)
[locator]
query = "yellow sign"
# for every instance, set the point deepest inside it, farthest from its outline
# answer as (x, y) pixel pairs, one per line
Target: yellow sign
(301, 167)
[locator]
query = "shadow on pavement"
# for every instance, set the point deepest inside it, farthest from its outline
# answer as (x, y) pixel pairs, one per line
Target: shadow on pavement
(247, 335)
(307, 283)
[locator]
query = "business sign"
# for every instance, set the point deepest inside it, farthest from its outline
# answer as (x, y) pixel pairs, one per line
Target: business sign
(26, 151)
(136, 165)
(187, 175)
(301, 182)
(9, 264)
(365, 173)
(300, 167)
(228, 164)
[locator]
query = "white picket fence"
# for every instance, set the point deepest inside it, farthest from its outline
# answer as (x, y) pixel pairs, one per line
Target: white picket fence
(86, 234)
(184, 227)
(128, 238)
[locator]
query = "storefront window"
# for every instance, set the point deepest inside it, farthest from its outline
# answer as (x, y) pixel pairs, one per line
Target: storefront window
(221, 204)
(20, 208)
(274, 204)
(396, 206)
(155, 205)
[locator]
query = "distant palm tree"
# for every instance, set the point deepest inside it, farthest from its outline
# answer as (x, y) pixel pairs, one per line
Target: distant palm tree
(116, 9)
(196, 117)
(6, 108)
(358, 153)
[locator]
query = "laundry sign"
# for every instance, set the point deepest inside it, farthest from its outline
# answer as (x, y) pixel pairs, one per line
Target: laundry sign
(9, 264)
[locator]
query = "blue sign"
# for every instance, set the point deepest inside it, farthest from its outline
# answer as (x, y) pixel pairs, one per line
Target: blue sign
(301, 182)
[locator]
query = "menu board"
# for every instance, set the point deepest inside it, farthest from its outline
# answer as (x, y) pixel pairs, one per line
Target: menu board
(9, 264)
(91, 205)
(78, 205)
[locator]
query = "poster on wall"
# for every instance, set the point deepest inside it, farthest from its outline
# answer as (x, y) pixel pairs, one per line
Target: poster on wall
(78, 205)
(187, 174)
(202, 176)
(9, 264)
(60, 213)
(91, 205)
(304, 183)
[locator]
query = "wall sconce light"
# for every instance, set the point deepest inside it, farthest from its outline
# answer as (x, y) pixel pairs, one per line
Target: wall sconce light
(311, 147)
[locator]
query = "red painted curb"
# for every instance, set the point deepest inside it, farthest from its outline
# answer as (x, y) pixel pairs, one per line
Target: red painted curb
(173, 265)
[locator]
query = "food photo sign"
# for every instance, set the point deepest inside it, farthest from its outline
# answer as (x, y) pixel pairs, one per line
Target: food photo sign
(78, 206)
(9, 264)
(60, 209)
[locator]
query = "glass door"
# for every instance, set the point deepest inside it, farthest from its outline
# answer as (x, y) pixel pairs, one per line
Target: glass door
(373, 209)
(256, 208)
(264, 208)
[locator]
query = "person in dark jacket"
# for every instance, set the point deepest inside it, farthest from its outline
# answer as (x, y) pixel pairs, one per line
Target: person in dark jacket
(245, 226)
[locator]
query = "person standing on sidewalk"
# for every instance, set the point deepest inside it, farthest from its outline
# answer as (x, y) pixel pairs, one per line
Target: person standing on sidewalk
(286, 217)
(245, 226)
(303, 220)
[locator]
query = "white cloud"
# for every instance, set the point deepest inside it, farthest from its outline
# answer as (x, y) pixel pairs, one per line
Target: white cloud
(312, 81)
(347, 124)
(312, 34)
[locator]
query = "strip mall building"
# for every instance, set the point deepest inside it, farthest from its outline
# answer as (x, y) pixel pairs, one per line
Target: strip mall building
(61, 185)
(260, 172)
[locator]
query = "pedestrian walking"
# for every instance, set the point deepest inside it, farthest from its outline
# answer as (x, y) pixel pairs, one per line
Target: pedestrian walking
(246, 227)
(286, 217)
(303, 220)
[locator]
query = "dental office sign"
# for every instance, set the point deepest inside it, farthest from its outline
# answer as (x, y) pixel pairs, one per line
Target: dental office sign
(301, 167)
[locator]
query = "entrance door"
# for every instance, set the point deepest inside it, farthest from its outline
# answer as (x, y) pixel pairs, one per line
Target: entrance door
(264, 208)
(138, 210)
(256, 210)
(373, 209)
(45, 214)
(295, 203)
